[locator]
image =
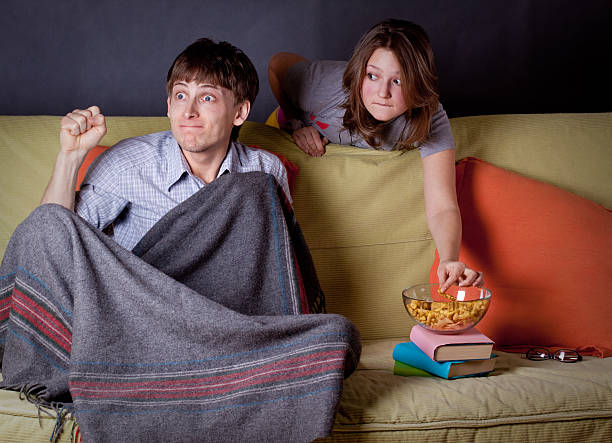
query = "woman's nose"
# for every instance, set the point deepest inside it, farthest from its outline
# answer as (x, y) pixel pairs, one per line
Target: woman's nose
(384, 90)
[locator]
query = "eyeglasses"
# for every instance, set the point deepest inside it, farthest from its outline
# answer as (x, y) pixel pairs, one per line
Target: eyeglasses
(562, 355)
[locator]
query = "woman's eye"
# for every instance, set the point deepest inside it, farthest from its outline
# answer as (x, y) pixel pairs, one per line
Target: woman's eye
(371, 76)
(397, 82)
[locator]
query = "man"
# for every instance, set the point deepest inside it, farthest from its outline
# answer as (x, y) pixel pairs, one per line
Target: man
(211, 87)
(186, 325)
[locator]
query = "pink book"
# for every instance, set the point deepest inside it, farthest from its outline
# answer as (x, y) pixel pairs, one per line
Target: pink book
(468, 345)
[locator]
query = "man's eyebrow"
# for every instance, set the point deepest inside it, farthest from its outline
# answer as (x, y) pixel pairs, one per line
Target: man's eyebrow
(207, 85)
(201, 85)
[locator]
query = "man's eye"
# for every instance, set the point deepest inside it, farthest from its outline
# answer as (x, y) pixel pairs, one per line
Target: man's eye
(208, 98)
(180, 96)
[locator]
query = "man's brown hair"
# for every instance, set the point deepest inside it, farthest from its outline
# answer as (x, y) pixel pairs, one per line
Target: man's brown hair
(410, 45)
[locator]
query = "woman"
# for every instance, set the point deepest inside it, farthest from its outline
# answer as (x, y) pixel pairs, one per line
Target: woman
(385, 97)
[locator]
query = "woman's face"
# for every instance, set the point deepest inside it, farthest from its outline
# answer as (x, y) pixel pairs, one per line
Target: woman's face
(381, 90)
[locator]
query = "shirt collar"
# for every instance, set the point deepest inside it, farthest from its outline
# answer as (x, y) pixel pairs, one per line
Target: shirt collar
(231, 162)
(178, 166)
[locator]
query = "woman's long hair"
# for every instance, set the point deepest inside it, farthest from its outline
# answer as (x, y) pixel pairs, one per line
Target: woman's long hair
(410, 44)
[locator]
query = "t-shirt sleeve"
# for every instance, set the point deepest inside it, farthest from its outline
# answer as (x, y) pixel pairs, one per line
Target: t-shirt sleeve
(440, 135)
(316, 86)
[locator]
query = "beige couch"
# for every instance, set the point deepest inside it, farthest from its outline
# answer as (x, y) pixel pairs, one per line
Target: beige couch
(363, 217)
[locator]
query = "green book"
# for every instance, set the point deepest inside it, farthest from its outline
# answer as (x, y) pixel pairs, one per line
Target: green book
(405, 370)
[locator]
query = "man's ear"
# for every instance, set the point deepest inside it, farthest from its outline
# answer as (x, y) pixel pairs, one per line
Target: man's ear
(168, 113)
(242, 112)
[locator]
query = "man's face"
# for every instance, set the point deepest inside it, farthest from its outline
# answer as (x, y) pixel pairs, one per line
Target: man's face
(202, 115)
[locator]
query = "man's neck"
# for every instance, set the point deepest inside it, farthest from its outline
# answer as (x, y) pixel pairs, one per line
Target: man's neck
(205, 164)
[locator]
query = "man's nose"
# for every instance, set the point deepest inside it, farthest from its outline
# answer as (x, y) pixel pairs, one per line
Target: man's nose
(191, 110)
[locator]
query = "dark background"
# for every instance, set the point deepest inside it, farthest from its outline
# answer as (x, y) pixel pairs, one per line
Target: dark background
(520, 56)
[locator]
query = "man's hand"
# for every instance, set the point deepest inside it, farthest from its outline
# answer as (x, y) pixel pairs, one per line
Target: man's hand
(450, 272)
(81, 130)
(310, 141)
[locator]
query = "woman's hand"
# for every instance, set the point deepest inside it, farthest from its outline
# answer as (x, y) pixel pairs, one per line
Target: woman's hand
(451, 272)
(310, 141)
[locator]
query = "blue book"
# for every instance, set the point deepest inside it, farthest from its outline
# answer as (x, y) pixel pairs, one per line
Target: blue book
(410, 354)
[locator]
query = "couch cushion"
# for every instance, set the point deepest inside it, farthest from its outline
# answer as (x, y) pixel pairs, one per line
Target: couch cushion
(521, 400)
(546, 255)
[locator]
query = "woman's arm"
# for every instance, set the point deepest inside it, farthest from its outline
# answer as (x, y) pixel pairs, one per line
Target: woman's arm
(307, 138)
(277, 71)
(444, 219)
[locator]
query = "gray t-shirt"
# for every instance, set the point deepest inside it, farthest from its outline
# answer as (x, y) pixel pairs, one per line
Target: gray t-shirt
(316, 88)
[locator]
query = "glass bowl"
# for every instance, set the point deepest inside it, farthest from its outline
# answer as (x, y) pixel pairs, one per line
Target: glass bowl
(458, 310)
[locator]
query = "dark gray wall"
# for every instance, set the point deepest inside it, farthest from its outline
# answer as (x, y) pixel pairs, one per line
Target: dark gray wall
(521, 56)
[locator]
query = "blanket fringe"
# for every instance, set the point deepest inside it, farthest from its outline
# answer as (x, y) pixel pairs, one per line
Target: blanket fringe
(62, 412)
(62, 415)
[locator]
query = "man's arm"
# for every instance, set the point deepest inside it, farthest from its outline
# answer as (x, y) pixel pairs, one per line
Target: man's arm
(80, 131)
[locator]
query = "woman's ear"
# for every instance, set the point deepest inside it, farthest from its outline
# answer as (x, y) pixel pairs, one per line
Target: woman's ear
(242, 112)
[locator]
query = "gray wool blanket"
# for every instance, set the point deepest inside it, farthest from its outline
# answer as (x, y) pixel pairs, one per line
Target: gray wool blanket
(210, 330)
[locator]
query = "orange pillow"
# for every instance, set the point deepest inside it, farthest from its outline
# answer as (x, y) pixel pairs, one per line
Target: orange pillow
(89, 158)
(546, 255)
(292, 168)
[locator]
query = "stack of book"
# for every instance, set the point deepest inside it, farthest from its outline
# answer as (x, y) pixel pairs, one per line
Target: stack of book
(466, 354)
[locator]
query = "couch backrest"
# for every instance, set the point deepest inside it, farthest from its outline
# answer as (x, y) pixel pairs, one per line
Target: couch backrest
(571, 151)
(361, 211)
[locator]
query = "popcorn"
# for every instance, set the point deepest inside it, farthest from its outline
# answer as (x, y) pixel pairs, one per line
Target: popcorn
(448, 316)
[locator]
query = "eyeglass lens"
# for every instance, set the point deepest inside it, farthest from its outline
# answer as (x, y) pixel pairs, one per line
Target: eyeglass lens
(562, 355)
(567, 355)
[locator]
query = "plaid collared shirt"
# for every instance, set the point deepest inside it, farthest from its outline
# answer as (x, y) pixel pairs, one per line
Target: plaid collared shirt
(140, 179)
